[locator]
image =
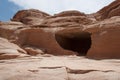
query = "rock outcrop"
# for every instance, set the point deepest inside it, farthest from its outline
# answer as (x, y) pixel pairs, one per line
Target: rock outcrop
(65, 46)
(98, 41)
(69, 13)
(7, 29)
(29, 16)
(105, 39)
(41, 39)
(109, 11)
(69, 32)
(68, 21)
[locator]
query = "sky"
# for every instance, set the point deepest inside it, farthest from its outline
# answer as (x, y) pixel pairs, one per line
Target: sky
(9, 7)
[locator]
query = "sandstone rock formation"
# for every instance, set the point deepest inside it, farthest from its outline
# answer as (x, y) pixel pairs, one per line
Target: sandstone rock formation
(34, 50)
(59, 68)
(105, 39)
(29, 16)
(9, 50)
(67, 21)
(98, 41)
(70, 32)
(41, 39)
(69, 13)
(109, 11)
(7, 29)
(37, 46)
(74, 39)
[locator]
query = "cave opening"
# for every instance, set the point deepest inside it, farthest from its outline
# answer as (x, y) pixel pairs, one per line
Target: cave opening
(79, 42)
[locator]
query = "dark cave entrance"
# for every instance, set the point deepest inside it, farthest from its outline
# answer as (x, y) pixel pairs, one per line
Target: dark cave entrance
(79, 42)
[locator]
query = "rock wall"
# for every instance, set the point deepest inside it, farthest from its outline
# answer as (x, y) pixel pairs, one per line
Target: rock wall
(105, 44)
(105, 39)
(41, 39)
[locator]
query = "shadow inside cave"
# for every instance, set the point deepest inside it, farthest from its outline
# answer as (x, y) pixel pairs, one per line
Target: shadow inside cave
(79, 42)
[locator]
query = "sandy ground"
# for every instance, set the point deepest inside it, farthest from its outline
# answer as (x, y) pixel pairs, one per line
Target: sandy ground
(59, 68)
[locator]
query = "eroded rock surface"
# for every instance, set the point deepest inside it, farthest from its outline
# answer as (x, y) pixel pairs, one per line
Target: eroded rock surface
(59, 68)
(9, 50)
(7, 29)
(67, 21)
(42, 39)
(29, 16)
(34, 50)
(64, 46)
(109, 11)
(69, 13)
(68, 32)
(105, 39)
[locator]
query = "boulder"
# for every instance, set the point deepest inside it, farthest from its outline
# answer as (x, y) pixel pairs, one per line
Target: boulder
(9, 50)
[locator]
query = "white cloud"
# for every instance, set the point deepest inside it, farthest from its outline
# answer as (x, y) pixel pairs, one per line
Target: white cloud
(56, 6)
